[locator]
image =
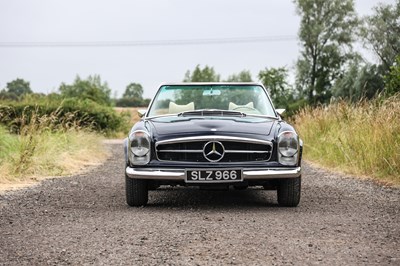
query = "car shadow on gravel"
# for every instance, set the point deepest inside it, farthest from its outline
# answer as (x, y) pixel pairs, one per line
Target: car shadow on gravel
(189, 198)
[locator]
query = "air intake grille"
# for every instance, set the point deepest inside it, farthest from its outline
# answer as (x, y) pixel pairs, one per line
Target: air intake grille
(233, 151)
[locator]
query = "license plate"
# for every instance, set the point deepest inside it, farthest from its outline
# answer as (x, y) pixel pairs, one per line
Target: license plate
(213, 175)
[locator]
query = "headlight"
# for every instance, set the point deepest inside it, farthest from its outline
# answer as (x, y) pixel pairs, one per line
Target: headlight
(288, 148)
(140, 145)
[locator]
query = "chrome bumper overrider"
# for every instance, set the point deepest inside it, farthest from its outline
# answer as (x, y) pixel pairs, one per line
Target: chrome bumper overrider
(179, 174)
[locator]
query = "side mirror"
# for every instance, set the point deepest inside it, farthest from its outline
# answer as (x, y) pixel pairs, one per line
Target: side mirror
(141, 112)
(280, 112)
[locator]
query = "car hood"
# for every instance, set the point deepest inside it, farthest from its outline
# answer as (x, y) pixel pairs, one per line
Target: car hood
(211, 126)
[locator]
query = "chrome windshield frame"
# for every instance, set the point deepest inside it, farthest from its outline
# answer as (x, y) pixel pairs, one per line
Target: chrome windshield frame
(211, 84)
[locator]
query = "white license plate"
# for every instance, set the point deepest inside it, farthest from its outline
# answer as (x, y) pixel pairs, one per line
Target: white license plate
(213, 175)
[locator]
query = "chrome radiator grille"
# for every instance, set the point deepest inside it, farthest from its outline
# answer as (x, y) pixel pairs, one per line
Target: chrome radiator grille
(214, 149)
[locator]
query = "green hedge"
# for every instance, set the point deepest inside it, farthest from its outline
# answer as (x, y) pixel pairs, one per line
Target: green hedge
(65, 113)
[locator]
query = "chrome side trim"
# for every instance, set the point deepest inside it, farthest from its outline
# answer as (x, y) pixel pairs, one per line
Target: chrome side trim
(155, 174)
(188, 151)
(246, 151)
(179, 174)
(272, 173)
(214, 137)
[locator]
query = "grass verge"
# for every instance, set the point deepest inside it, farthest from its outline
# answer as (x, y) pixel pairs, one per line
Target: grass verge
(45, 148)
(130, 116)
(360, 139)
(27, 158)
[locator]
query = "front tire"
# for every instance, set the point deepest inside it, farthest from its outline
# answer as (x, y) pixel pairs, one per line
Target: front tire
(136, 192)
(289, 191)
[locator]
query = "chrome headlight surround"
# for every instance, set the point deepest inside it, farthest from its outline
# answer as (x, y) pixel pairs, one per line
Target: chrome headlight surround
(139, 147)
(288, 148)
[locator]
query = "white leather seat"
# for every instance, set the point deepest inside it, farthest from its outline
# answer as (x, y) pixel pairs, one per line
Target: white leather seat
(233, 106)
(177, 108)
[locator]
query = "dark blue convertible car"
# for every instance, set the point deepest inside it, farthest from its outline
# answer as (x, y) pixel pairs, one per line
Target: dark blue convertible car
(216, 136)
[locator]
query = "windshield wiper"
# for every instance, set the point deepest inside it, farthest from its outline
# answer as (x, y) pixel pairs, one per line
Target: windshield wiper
(212, 112)
(263, 116)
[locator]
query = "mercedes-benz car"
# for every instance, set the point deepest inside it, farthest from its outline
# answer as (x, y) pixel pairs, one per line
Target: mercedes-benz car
(213, 136)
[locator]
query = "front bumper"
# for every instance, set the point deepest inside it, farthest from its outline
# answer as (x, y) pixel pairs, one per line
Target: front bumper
(180, 174)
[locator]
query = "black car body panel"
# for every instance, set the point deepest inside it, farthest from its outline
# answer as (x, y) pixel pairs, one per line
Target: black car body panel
(199, 126)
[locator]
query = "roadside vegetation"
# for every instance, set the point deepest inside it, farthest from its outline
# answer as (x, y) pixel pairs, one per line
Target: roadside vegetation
(45, 147)
(69, 112)
(59, 133)
(360, 138)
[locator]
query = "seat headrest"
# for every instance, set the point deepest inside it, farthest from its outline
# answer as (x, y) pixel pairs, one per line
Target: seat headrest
(177, 108)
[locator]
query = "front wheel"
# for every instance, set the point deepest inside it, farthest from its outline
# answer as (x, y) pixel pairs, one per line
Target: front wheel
(289, 191)
(136, 192)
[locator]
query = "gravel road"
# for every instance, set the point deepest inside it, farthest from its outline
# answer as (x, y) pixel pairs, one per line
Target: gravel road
(84, 220)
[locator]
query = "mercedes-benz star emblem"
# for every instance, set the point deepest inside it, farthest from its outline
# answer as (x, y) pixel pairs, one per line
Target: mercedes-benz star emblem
(213, 151)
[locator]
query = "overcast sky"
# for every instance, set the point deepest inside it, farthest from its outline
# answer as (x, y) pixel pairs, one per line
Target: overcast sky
(132, 21)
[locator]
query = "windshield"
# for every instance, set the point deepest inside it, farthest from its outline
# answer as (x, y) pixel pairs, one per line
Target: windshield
(245, 99)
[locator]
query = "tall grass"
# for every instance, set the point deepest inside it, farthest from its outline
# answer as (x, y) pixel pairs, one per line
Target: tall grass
(129, 116)
(46, 146)
(361, 138)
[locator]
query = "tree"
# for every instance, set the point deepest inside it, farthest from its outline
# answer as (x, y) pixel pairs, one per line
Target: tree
(380, 31)
(133, 90)
(326, 35)
(18, 87)
(275, 80)
(359, 81)
(132, 97)
(92, 88)
(243, 76)
(207, 74)
(392, 79)
(4, 95)
(129, 102)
